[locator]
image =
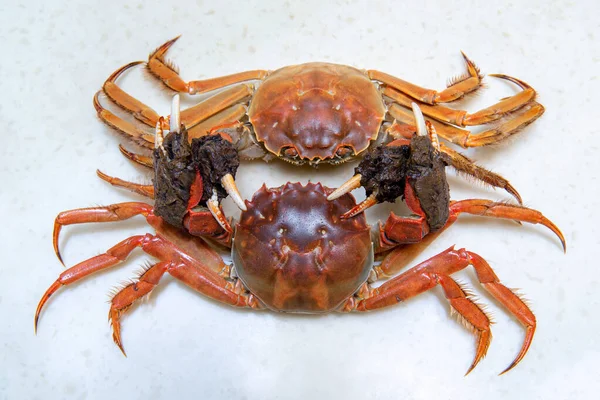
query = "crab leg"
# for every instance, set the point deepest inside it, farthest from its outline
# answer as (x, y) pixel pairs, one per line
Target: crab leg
(169, 75)
(144, 190)
(396, 231)
(214, 104)
(229, 116)
(464, 138)
(189, 117)
(191, 271)
(460, 87)
(138, 135)
(467, 166)
(112, 213)
(146, 161)
(139, 110)
(437, 271)
(461, 117)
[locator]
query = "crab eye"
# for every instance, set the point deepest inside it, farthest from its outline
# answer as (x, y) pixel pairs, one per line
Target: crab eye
(343, 151)
(290, 152)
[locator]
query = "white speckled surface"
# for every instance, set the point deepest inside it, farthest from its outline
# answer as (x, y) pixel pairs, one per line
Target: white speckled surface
(55, 55)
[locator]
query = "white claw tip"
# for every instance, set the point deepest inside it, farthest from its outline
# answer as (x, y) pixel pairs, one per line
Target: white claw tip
(158, 137)
(347, 187)
(419, 120)
(229, 184)
(174, 120)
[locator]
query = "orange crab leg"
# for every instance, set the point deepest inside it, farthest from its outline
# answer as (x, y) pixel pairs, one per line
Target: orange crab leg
(189, 117)
(112, 213)
(231, 115)
(462, 86)
(461, 117)
(437, 271)
(179, 264)
(139, 110)
(146, 161)
(464, 138)
(400, 256)
(489, 208)
(169, 75)
(463, 164)
(214, 104)
(137, 134)
(144, 190)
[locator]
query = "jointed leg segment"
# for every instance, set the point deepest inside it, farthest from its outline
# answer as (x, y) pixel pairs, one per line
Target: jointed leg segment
(437, 271)
(168, 74)
(173, 260)
(521, 107)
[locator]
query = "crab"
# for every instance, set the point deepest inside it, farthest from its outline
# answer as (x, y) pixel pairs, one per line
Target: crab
(299, 248)
(321, 112)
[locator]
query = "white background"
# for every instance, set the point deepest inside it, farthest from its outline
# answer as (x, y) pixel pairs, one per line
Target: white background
(55, 55)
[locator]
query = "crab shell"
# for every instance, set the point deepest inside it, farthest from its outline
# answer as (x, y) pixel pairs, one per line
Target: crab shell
(316, 110)
(295, 254)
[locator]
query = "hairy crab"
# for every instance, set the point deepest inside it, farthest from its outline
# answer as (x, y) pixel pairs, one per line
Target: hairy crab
(306, 248)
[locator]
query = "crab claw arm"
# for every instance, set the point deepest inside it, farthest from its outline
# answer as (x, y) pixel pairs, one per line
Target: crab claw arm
(360, 207)
(347, 187)
(175, 118)
(228, 183)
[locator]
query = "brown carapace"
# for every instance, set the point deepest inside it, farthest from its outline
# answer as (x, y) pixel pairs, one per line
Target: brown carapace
(307, 248)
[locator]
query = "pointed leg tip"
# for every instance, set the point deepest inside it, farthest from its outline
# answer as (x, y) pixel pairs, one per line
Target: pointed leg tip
(97, 104)
(160, 51)
(59, 256)
(513, 192)
(471, 368)
(522, 84)
(120, 345)
(511, 366)
(113, 77)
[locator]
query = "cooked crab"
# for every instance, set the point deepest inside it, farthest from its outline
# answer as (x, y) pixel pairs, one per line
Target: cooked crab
(321, 113)
(299, 248)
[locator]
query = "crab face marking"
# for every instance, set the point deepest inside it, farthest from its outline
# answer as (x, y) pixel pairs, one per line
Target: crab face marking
(316, 112)
(294, 252)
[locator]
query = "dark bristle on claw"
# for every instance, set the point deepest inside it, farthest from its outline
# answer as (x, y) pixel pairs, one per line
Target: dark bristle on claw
(383, 171)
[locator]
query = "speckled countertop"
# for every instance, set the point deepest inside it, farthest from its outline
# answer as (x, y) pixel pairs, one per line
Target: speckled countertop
(55, 55)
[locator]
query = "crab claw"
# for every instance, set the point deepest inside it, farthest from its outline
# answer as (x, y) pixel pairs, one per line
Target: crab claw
(360, 207)
(175, 119)
(229, 184)
(215, 210)
(347, 187)
(419, 120)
